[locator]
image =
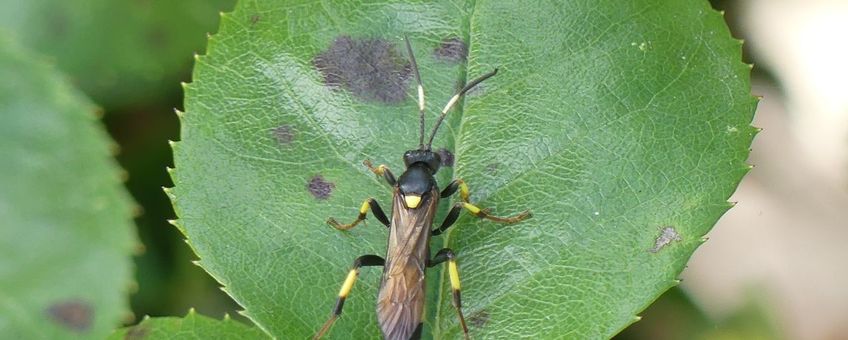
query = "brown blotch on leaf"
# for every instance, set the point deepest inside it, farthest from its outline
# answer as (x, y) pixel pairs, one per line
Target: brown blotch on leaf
(75, 315)
(451, 50)
(446, 156)
(320, 188)
(255, 18)
(137, 332)
(479, 319)
(284, 134)
(668, 235)
(370, 69)
(58, 23)
(157, 38)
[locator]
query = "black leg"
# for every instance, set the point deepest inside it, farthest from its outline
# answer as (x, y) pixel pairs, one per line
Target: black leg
(368, 204)
(449, 220)
(362, 261)
(453, 186)
(447, 254)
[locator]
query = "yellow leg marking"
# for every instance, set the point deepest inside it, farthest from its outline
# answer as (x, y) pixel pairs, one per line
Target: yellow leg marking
(362, 211)
(454, 274)
(457, 302)
(472, 208)
(463, 191)
(379, 170)
(484, 214)
(348, 284)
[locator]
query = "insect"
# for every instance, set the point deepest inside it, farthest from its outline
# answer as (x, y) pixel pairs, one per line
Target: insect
(415, 196)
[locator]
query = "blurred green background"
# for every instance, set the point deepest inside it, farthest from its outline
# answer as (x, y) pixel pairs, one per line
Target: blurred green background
(130, 57)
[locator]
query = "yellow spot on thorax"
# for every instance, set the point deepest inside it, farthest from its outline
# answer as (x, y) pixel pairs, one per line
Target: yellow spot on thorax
(412, 201)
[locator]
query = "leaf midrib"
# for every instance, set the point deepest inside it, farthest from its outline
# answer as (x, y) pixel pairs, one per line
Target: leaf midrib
(446, 238)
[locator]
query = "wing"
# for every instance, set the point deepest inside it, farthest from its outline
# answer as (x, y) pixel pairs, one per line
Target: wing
(400, 304)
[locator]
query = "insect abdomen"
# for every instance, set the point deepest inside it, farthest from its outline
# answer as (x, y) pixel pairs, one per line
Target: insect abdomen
(400, 303)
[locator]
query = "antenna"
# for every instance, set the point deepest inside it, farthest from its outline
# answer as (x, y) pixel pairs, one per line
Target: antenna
(453, 101)
(420, 92)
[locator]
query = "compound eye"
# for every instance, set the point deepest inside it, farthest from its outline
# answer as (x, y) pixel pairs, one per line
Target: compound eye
(407, 158)
(435, 162)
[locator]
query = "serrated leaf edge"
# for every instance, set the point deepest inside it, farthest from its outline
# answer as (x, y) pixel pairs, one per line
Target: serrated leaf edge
(181, 115)
(753, 131)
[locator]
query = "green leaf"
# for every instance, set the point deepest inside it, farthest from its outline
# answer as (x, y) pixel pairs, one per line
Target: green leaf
(66, 229)
(119, 52)
(192, 326)
(623, 126)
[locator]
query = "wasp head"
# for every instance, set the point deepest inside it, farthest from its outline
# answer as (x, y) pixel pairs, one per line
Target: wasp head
(427, 157)
(417, 181)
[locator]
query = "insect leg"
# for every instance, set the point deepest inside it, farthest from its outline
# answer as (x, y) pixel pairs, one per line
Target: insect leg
(362, 261)
(449, 219)
(447, 254)
(368, 204)
(381, 170)
(477, 211)
(453, 186)
(484, 213)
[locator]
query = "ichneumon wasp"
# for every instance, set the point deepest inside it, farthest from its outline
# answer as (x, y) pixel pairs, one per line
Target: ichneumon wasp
(400, 302)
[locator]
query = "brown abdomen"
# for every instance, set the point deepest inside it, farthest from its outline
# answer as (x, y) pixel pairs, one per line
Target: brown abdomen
(400, 303)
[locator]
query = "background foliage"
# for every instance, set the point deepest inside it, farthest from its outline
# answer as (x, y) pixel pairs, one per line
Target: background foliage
(66, 233)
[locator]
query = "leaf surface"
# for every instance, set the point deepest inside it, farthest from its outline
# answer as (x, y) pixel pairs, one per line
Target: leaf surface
(192, 326)
(66, 232)
(623, 126)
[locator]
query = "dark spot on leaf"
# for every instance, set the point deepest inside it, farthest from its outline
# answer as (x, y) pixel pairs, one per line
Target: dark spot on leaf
(255, 18)
(667, 235)
(451, 50)
(157, 38)
(479, 319)
(58, 23)
(320, 188)
(370, 69)
(284, 134)
(75, 315)
(446, 156)
(136, 332)
(492, 168)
